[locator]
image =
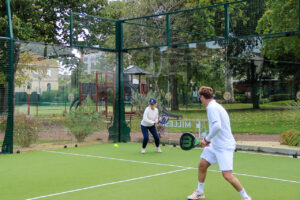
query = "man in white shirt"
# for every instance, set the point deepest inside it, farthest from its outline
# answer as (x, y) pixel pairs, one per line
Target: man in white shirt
(219, 146)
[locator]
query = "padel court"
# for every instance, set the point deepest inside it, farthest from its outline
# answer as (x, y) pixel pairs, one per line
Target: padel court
(106, 172)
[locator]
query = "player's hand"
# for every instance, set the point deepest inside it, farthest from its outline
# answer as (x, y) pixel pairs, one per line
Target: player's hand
(204, 143)
(156, 122)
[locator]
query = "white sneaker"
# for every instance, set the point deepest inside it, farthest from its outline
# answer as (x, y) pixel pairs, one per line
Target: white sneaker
(158, 149)
(196, 195)
(143, 151)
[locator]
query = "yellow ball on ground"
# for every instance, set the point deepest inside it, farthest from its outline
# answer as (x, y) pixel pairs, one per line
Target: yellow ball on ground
(116, 145)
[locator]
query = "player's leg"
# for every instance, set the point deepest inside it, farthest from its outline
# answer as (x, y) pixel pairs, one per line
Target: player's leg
(208, 158)
(225, 160)
(236, 184)
(146, 138)
(153, 131)
(202, 170)
(232, 180)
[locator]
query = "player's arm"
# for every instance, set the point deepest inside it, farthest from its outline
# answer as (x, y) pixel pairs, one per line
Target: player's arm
(156, 117)
(215, 129)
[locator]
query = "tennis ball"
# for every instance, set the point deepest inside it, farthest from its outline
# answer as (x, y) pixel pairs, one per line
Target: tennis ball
(116, 145)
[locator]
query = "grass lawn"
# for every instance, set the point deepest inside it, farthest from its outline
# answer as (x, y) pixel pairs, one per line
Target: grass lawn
(105, 172)
(272, 118)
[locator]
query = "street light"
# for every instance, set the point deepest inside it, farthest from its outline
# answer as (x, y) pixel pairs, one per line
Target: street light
(28, 91)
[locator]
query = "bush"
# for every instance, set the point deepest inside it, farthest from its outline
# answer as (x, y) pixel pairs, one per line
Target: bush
(140, 102)
(25, 129)
(83, 121)
(240, 98)
(291, 138)
(264, 100)
(219, 95)
(279, 97)
(48, 96)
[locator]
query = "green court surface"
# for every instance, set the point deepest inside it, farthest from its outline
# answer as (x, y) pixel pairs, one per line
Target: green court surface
(105, 172)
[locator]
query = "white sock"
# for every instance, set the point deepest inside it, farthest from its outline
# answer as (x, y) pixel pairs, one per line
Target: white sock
(243, 193)
(200, 187)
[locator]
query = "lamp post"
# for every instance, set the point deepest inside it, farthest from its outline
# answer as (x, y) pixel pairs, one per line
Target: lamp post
(28, 91)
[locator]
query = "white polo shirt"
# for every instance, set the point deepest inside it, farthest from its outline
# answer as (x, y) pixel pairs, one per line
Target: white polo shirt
(220, 134)
(149, 117)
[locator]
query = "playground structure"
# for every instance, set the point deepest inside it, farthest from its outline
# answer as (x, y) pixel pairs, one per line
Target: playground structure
(105, 81)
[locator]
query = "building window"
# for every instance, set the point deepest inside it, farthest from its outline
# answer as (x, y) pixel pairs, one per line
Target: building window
(49, 72)
(48, 86)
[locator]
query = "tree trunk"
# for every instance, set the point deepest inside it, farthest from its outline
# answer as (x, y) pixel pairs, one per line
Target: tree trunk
(173, 77)
(174, 104)
(229, 83)
(255, 95)
(296, 82)
(254, 87)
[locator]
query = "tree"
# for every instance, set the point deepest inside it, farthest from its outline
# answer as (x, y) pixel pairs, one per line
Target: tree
(282, 16)
(243, 19)
(47, 21)
(41, 21)
(144, 36)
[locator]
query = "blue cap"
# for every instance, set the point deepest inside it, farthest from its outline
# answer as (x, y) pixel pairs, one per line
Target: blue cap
(152, 101)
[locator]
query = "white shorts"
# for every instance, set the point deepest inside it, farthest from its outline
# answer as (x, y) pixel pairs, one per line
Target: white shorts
(224, 157)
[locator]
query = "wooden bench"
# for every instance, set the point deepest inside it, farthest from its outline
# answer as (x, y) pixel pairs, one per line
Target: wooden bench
(128, 118)
(108, 120)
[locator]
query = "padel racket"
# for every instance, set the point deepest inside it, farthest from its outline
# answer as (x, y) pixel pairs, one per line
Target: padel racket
(163, 119)
(188, 141)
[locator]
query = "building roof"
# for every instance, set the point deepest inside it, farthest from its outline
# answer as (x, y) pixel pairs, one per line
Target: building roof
(135, 70)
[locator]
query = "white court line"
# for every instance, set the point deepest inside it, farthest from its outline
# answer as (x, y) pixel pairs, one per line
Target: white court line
(261, 177)
(118, 159)
(105, 184)
(160, 164)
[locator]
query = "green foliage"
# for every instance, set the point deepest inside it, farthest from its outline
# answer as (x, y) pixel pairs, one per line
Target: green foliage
(83, 121)
(25, 129)
(240, 98)
(140, 101)
(291, 138)
(54, 96)
(280, 16)
(48, 96)
(279, 97)
(42, 21)
(219, 94)
(264, 100)
(295, 107)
